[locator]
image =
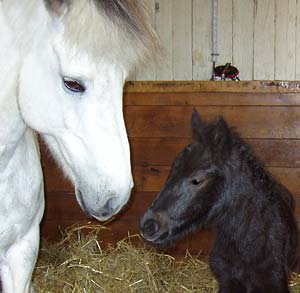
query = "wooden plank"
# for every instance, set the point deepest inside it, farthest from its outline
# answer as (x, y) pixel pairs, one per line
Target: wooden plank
(148, 71)
(225, 26)
(162, 151)
(298, 41)
(264, 39)
(182, 40)
(202, 44)
(277, 153)
(243, 37)
(151, 179)
(285, 42)
(250, 122)
(211, 99)
(164, 11)
(213, 86)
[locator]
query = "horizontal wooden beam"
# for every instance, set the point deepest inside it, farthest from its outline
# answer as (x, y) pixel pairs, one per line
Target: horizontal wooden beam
(267, 86)
(162, 151)
(250, 122)
(211, 99)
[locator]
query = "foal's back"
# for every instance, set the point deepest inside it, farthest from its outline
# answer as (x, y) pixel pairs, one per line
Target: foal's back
(256, 232)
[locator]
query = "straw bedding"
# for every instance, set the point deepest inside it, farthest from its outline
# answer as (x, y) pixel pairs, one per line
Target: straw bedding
(78, 263)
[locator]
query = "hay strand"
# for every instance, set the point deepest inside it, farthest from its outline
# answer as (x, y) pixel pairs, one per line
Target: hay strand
(78, 263)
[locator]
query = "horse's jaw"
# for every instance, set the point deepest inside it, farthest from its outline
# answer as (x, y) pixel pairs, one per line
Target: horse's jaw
(102, 187)
(102, 197)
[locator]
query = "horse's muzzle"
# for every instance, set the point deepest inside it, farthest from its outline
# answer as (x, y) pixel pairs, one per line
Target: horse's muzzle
(108, 209)
(104, 213)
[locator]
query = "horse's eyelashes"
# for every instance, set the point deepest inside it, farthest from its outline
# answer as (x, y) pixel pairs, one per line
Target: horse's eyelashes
(74, 85)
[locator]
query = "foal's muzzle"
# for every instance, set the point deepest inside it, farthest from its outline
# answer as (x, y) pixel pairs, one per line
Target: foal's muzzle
(154, 227)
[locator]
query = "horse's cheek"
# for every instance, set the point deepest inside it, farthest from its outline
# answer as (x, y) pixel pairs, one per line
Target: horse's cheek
(38, 94)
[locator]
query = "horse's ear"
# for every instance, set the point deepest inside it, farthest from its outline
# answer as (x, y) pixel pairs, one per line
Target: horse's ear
(222, 135)
(196, 125)
(57, 8)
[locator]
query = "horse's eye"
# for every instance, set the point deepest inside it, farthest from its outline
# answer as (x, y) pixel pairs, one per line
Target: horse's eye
(197, 181)
(73, 85)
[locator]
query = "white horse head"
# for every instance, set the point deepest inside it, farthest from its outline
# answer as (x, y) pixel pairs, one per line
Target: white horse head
(71, 86)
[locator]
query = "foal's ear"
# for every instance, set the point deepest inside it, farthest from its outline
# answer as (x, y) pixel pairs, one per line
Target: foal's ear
(222, 134)
(196, 125)
(57, 8)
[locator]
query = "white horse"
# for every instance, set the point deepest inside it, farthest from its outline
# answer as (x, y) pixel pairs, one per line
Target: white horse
(63, 64)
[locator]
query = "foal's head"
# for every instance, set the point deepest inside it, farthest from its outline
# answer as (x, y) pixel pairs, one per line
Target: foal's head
(193, 186)
(71, 87)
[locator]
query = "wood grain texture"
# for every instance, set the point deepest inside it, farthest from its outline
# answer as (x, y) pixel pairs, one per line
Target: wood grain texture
(164, 25)
(148, 71)
(211, 99)
(173, 121)
(225, 27)
(162, 151)
(264, 39)
(213, 86)
(285, 42)
(243, 37)
(202, 44)
(297, 77)
(260, 37)
(182, 40)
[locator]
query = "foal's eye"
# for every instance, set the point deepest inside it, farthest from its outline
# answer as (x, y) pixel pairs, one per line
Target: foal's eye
(197, 181)
(73, 85)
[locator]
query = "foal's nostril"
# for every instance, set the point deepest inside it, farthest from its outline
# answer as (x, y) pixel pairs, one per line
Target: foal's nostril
(150, 227)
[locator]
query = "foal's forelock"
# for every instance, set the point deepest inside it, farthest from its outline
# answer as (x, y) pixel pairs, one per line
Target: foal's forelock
(118, 29)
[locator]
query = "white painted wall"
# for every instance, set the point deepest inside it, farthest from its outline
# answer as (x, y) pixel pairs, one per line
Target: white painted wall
(260, 37)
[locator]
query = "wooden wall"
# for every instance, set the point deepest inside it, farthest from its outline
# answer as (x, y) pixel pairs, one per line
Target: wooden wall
(260, 37)
(267, 115)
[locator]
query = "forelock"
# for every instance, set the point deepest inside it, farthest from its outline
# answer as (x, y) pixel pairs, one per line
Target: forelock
(119, 29)
(129, 13)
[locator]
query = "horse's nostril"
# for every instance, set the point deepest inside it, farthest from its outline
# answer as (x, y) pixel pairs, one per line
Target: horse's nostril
(107, 208)
(150, 227)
